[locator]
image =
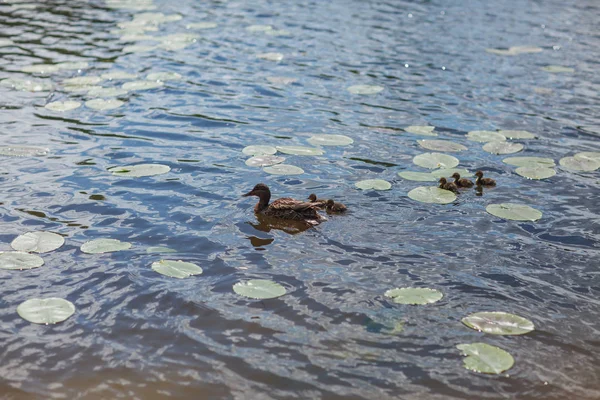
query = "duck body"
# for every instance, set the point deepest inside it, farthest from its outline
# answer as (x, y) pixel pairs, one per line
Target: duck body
(335, 207)
(461, 182)
(481, 181)
(444, 184)
(284, 208)
(318, 202)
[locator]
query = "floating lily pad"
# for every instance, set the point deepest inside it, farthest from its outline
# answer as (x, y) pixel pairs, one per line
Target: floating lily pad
(557, 69)
(281, 80)
(432, 194)
(365, 89)
(201, 25)
(107, 92)
(176, 269)
(536, 172)
(259, 28)
(73, 65)
(441, 145)
(264, 161)
(592, 155)
(22, 151)
(178, 37)
(502, 147)
(498, 323)
(515, 50)
(80, 88)
(300, 150)
(62, 105)
(83, 80)
(448, 172)
(330, 140)
(19, 260)
(283, 169)
(517, 134)
(141, 85)
(37, 242)
(579, 163)
(482, 357)
(163, 76)
(529, 162)
(421, 130)
(435, 160)
(46, 311)
(138, 48)
(118, 75)
(418, 176)
(40, 68)
(270, 56)
(259, 289)
(140, 170)
(98, 246)
(516, 212)
(102, 104)
(27, 85)
(416, 296)
(375, 184)
(160, 249)
(486, 136)
(259, 150)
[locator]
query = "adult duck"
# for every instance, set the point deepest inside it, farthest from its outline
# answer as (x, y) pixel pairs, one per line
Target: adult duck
(461, 182)
(481, 181)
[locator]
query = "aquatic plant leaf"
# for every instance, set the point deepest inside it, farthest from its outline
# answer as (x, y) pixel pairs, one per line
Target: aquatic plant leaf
(281, 80)
(283, 169)
(417, 176)
(502, 147)
(517, 134)
(40, 68)
(141, 85)
(448, 172)
(441, 145)
(592, 155)
(73, 65)
(484, 358)
(300, 150)
(138, 48)
(264, 161)
(37, 242)
(498, 323)
(259, 28)
(106, 92)
(140, 170)
(270, 56)
(530, 162)
(176, 269)
(23, 151)
(259, 150)
(62, 105)
(435, 160)
(118, 75)
(160, 249)
(365, 89)
(375, 184)
(515, 50)
(27, 85)
(259, 289)
(432, 194)
(83, 80)
(163, 76)
(98, 246)
(80, 88)
(415, 296)
(50, 310)
(536, 172)
(19, 260)
(330, 140)
(201, 25)
(102, 104)
(424, 130)
(579, 163)
(515, 212)
(557, 69)
(486, 136)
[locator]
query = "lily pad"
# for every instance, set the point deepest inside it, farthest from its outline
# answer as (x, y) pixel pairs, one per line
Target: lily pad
(259, 28)
(330, 140)
(259, 150)
(141, 85)
(536, 172)
(300, 150)
(138, 48)
(515, 212)
(19, 260)
(517, 134)
(98, 246)
(486, 136)
(530, 162)
(27, 85)
(163, 76)
(283, 169)
(441, 145)
(557, 69)
(259, 289)
(416, 296)
(432, 194)
(46, 311)
(502, 147)
(579, 164)
(435, 160)
(73, 65)
(515, 50)
(80, 88)
(365, 89)
(484, 358)
(62, 105)
(417, 176)
(102, 104)
(160, 249)
(140, 170)
(421, 130)
(83, 80)
(106, 92)
(270, 56)
(40, 68)
(498, 323)
(592, 155)
(118, 75)
(23, 151)
(201, 25)
(375, 184)
(264, 161)
(37, 242)
(176, 269)
(448, 172)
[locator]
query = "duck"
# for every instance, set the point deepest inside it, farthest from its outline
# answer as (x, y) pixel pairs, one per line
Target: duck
(444, 184)
(481, 181)
(333, 206)
(461, 182)
(319, 202)
(284, 208)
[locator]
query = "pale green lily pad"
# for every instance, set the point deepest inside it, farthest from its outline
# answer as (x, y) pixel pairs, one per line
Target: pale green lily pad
(173, 45)
(163, 76)
(515, 50)
(365, 89)
(300, 150)
(486, 136)
(281, 80)
(579, 163)
(270, 56)
(448, 172)
(417, 176)
(259, 150)
(80, 88)
(83, 80)
(23, 151)
(62, 105)
(517, 134)
(375, 184)
(202, 25)
(102, 104)
(283, 169)
(98, 246)
(532, 162)
(138, 48)
(106, 92)
(259, 28)
(140, 170)
(46, 311)
(592, 155)
(118, 75)
(160, 249)
(27, 85)
(502, 147)
(176, 269)
(515, 212)
(73, 65)
(536, 172)
(264, 161)
(37, 242)
(178, 38)
(19, 260)
(40, 68)
(435, 160)
(498, 323)
(484, 358)
(432, 194)
(557, 69)
(330, 140)
(141, 85)
(423, 130)
(441, 145)
(416, 296)
(259, 289)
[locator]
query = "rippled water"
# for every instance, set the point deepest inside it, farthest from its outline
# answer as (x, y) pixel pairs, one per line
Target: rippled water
(138, 334)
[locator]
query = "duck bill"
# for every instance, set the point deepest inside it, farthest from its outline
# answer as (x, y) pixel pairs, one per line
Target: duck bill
(250, 193)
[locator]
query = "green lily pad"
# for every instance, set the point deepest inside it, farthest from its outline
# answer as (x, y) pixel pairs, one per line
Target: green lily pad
(530, 162)
(558, 69)
(62, 105)
(484, 358)
(98, 246)
(330, 140)
(259, 28)
(19, 260)
(80, 88)
(40, 68)
(498, 323)
(259, 150)
(283, 169)
(102, 104)
(432, 194)
(83, 80)
(517, 134)
(264, 161)
(435, 160)
(375, 184)
(46, 311)
(163, 76)
(201, 25)
(448, 172)
(176, 269)
(536, 172)
(141, 85)
(23, 151)
(270, 56)
(441, 145)
(592, 155)
(515, 212)
(106, 92)
(416, 296)
(579, 163)
(486, 136)
(118, 75)
(300, 150)
(418, 176)
(37, 242)
(365, 89)
(73, 65)
(140, 170)
(178, 37)
(259, 289)
(502, 147)
(515, 50)
(27, 85)
(423, 130)
(160, 249)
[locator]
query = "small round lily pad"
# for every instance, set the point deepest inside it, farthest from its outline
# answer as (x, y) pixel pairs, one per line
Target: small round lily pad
(27, 85)
(176, 269)
(300, 150)
(102, 104)
(142, 85)
(330, 140)
(62, 105)
(558, 69)
(441, 145)
(98, 246)
(515, 212)
(283, 169)
(264, 161)
(37, 242)
(424, 130)
(579, 164)
(83, 80)
(259, 150)
(40, 68)
(259, 289)
(270, 56)
(163, 76)
(365, 89)
(530, 162)
(73, 65)
(375, 184)
(416, 296)
(106, 92)
(19, 260)
(417, 176)
(502, 147)
(202, 25)
(46, 311)
(140, 170)
(22, 151)
(536, 172)
(435, 160)
(486, 136)
(484, 358)
(432, 194)
(517, 134)
(498, 323)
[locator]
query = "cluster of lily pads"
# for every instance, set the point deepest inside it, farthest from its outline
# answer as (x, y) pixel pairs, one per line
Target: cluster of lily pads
(518, 50)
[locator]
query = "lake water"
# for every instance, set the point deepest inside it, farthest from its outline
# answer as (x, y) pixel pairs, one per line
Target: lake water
(137, 334)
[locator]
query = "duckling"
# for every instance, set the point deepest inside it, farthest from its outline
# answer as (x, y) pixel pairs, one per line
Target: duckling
(335, 207)
(461, 182)
(318, 202)
(483, 181)
(284, 208)
(444, 184)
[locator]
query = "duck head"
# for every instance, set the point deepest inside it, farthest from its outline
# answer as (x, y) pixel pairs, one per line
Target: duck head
(260, 190)
(312, 197)
(456, 175)
(479, 174)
